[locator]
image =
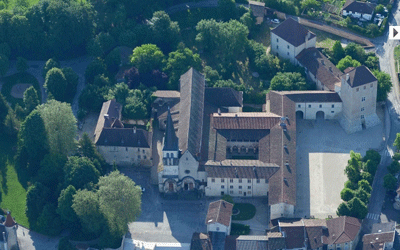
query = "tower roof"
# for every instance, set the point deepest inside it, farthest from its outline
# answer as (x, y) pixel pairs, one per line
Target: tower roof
(9, 221)
(171, 141)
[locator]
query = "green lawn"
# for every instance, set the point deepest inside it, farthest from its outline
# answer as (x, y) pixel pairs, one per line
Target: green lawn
(324, 39)
(13, 194)
(10, 81)
(396, 57)
(247, 211)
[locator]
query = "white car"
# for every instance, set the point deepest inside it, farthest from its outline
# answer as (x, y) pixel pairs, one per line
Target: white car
(275, 21)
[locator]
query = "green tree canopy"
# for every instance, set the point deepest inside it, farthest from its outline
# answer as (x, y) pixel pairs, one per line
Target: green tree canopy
(166, 33)
(72, 82)
(120, 92)
(384, 85)
(95, 67)
(147, 57)
(11, 123)
(380, 8)
(86, 148)
(374, 157)
(368, 177)
(267, 65)
(49, 222)
(363, 195)
(390, 182)
(3, 109)
(350, 185)
(364, 184)
(249, 20)
(305, 4)
(51, 63)
(56, 84)
(36, 198)
(120, 201)
(396, 142)
(288, 81)
(227, 9)
(87, 207)
(358, 208)
(356, 52)
(347, 194)
(79, 172)
(338, 51)
(347, 62)
(4, 64)
(31, 99)
(51, 172)
(343, 209)
(100, 44)
(64, 209)
(22, 64)
(394, 167)
(60, 124)
(5, 49)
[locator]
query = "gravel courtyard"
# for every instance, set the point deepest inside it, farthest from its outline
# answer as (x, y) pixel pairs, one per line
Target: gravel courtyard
(323, 149)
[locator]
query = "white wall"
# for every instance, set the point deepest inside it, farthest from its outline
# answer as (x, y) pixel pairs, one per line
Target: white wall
(188, 162)
(233, 188)
(217, 227)
(126, 155)
(287, 50)
(326, 107)
(281, 210)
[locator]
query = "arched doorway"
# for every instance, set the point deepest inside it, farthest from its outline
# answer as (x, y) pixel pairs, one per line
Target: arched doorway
(299, 114)
(320, 115)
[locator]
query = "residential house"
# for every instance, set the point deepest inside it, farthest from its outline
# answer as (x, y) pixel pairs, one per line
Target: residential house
(343, 233)
(290, 38)
(356, 9)
(219, 217)
(258, 9)
(382, 236)
(271, 241)
(118, 144)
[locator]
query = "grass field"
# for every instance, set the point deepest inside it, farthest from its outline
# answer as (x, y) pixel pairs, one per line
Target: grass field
(324, 39)
(396, 57)
(13, 194)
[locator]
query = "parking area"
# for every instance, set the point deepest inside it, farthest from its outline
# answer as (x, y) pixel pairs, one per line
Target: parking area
(323, 149)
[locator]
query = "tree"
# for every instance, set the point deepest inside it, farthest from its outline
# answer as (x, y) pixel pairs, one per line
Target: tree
(36, 198)
(347, 194)
(249, 20)
(356, 52)
(22, 64)
(165, 33)
(31, 99)
(100, 44)
(343, 209)
(147, 57)
(374, 157)
(86, 148)
(60, 124)
(394, 167)
(3, 109)
(178, 63)
(228, 198)
(56, 84)
(113, 60)
(101, 81)
(72, 82)
(363, 195)
(227, 9)
(380, 9)
(384, 85)
(364, 185)
(396, 142)
(11, 123)
(267, 65)
(95, 67)
(64, 244)
(120, 92)
(358, 208)
(92, 98)
(33, 137)
(372, 29)
(120, 201)
(136, 105)
(350, 185)
(51, 63)
(372, 62)
(79, 172)
(390, 182)
(4, 64)
(306, 4)
(338, 51)
(347, 62)
(87, 207)
(64, 209)
(288, 81)
(51, 172)
(211, 76)
(368, 177)
(396, 156)
(5, 49)
(49, 221)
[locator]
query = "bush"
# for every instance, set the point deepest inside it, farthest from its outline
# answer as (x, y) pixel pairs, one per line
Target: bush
(240, 229)
(228, 198)
(247, 211)
(347, 194)
(22, 64)
(64, 244)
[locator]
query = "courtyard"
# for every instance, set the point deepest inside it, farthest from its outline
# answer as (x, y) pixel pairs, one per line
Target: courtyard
(323, 149)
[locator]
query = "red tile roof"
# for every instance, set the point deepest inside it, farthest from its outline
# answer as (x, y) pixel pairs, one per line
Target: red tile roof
(9, 221)
(245, 120)
(219, 212)
(342, 229)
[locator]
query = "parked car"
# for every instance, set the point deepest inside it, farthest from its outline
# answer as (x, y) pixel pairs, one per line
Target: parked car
(275, 21)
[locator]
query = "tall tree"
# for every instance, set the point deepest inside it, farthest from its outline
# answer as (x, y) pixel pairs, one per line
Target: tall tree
(288, 81)
(31, 99)
(396, 142)
(394, 167)
(358, 208)
(356, 52)
(165, 32)
(347, 194)
(36, 198)
(49, 222)
(95, 67)
(60, 124)
(120, 201)
(79, 172)
(227, 9)
(56, 84)
(343, 209)
(4, 64)
(347, 62)
(22, 64)
(390, 182)
(72, 82)
(3, 109)
(51, 63)
(51, 172)
(64, 209)
(147, 57)
(338, 51)
(87, 207)
(384, 85)
(86, 148)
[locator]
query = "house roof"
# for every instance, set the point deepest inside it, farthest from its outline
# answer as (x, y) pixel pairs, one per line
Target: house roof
(360, 7)
(110, 111)
(342, 229)
(314, 236)
(276, 241)
(379, 238)
(248, 169)
(295, 237)
(258, 8)
(360, 76)
(383, 227)
(9, 221)
(170, 139)
(252, 242)
(320, 66)
(245, 120)
(167, 94)
(312, 96)
(219, 212)
(293, 32)
(373, 246)
(224, 97)
(230, 242)
(200, 241)
(191, 110)
(124, 137)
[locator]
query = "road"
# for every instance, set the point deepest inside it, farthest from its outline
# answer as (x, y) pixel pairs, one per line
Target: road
(384, 50)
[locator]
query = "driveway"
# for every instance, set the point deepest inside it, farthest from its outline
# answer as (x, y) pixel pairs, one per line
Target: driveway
(323, 149)
(259, 223)
(29, 240)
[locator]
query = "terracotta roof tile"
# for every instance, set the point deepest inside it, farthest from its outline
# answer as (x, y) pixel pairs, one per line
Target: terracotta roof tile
(249, 169)
(245, 120)
(292, 32)
(342, 229)
(379, 238)
(360, 76)
(312, 96)
(219, 212)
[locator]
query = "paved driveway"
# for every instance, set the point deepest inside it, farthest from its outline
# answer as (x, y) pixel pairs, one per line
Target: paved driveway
(29, 240)
(259, 223)
(322, 153)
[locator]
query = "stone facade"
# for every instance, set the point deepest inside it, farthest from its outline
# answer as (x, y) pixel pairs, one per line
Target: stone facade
(236, 187)
(126, 156)
(283, 49)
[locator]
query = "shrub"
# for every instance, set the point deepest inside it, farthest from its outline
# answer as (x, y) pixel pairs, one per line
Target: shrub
(240, 229)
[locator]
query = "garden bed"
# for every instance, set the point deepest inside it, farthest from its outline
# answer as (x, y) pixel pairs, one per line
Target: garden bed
(246, 211)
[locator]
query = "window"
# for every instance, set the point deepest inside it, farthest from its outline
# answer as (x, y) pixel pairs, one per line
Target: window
(240, 187)
(332, 111)
(277, 46)
(138, 157)
(362, 116)
(240, 192)
(363, 99)
(212, 180)
(248, 192)
(365, 87)
(144, 152)
(277, 40)
(231, 180)
(362, 109)
(222, 192)
(248, 181)
(372, 85)
(248, 187)
(288, 53)
(320, 105)
(240, 180)
(266, 180)
(258, 180)
(138, 150)
(187, 171)
(167, 155)
(333, 105)
(222, 180)
(357, 89)
(231, 187)
(222, 186)
(309, 105)
(288, 47)
(299, 106)
(231, 192)
(126, 148)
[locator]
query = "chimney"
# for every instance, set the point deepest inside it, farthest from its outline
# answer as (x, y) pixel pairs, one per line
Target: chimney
(347, 77)
(134, 130)
(219, 111)
(236, 173)
(105, 116)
